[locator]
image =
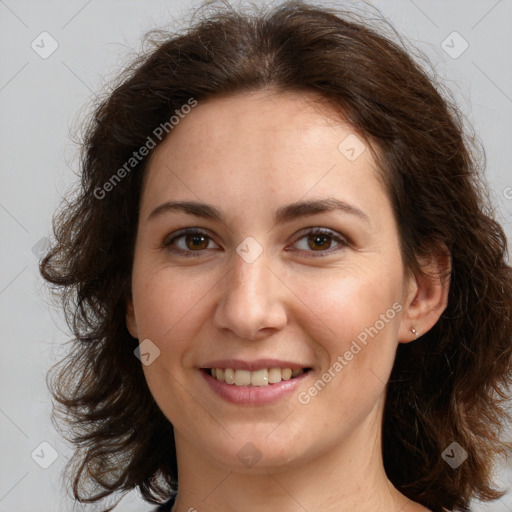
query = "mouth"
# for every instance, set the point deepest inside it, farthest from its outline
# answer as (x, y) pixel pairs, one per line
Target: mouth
(257, 378)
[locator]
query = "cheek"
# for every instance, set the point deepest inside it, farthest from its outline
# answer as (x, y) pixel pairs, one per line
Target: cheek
(349, 307)
(170, 310)
(354, 323)
(357, 321)
(168, 306)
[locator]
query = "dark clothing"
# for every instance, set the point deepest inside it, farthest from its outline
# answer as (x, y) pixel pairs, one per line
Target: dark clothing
(167, 506)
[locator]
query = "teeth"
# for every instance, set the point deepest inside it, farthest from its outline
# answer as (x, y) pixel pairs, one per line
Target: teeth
(258, 378)
(274, 375)
(229, 376)
(242, 377)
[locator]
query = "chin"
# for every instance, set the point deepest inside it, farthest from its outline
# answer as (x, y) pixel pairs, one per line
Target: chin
(257, 454)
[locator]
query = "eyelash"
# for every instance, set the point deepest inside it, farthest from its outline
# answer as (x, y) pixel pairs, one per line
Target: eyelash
(168, 243)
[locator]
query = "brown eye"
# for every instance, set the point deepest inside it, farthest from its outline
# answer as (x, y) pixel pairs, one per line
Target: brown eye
(196, 241)
(320, 241)
(189, 242)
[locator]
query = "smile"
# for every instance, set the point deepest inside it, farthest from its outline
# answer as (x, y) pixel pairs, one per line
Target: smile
(258, 378)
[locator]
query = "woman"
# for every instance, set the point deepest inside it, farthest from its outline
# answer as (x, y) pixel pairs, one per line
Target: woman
(286, 285)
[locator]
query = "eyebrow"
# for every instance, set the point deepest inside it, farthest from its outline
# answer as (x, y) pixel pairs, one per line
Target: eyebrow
(284, 213)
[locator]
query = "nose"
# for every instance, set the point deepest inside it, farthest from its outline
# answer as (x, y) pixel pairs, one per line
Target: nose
(252, 300)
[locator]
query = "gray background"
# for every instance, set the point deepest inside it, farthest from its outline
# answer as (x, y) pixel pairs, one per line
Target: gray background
(42, 99)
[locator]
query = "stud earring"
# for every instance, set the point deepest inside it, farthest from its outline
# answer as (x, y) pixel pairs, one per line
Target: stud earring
(414, 331)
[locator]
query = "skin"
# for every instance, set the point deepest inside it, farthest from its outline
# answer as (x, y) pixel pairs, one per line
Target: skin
(249, 154)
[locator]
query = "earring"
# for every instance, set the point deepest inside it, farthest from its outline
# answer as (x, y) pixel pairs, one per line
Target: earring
(414, 331)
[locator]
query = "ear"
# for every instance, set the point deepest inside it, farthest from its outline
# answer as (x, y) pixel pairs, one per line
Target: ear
(131, 323)
(427, 295)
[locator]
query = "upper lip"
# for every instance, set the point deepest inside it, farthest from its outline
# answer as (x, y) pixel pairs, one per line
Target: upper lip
(259, 364)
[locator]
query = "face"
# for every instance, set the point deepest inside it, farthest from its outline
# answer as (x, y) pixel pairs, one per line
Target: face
(262, 284)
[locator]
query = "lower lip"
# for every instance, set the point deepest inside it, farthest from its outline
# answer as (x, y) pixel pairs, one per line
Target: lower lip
(254, 395)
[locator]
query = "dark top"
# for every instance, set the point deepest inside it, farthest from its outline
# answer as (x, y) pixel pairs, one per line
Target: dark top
(167, 506)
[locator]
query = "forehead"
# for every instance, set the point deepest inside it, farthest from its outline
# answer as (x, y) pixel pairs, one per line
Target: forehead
(242, 122)
(254, 145)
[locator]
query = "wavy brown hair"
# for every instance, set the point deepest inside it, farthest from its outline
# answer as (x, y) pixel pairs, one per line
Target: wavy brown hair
(450, 385)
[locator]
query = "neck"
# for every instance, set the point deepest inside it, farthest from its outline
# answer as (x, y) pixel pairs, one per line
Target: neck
(342, 478)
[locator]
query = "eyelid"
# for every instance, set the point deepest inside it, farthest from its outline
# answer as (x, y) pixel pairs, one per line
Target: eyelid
(334, 235)
(168, 240)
